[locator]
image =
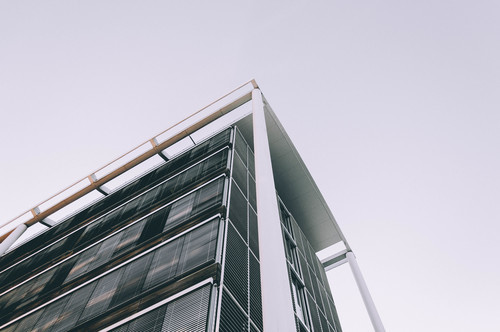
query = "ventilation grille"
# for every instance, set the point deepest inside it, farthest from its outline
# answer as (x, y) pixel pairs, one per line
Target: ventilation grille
(314, 313)
(232, 319)
(255, 293)
(236, 268)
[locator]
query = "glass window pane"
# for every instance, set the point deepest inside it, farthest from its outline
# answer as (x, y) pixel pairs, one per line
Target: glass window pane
(73, 308)
(199, 246)
(181, 210)
(131, 280)
(102, 295)
(238, 211)
(240, 174)
(209, 195)
(164, 265)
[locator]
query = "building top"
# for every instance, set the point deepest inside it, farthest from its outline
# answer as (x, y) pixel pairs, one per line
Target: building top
(294, 183)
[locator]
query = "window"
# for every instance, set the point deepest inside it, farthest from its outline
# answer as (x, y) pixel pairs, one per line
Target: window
(285, 219)
(299, 301)
(291, 254)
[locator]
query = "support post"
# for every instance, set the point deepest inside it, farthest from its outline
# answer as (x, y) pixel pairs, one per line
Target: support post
(277, 307)
(9, 241)
(365, 294)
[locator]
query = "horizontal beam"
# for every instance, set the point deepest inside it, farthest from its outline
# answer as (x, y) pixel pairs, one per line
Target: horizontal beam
(334, 260)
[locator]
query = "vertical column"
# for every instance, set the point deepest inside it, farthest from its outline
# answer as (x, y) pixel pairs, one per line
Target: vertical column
(5, 245)
(365, 294)
(277, 307)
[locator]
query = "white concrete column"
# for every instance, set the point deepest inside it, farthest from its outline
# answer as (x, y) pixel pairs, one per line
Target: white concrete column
(9, 241)
(277, 306)
(365, 294)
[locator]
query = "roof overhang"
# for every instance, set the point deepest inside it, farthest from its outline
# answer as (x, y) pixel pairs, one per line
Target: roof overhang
(295, 185)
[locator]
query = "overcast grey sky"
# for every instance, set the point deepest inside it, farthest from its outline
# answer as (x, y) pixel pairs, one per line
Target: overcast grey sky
(393, 105)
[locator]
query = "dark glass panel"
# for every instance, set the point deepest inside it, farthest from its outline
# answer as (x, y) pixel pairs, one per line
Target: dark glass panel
(335, 316)
(131, 280)
(74, 308)
(253, 232)
(329, 315)
(101, 297)
(18, 295)
(241, 147)
(28, 322)
(10, 328)
(324, 299)
(106, 250)
(312, 259)
(252, 195)
(298, 237)
(240, 174)
(129, 209)
(180, 211)
(324, 324)
(199, 246)
(164, 264)
(154, 224)
(190, 175)
(129, 238)
(238, 211)
(255, 293)
(317, 293)
(251, 162)
(236, 267)
(314, 314)
(50, 315)
(83, 263)
(60, 274)
(38, 284)
(150, 198)
(309, 280)
(209, 195)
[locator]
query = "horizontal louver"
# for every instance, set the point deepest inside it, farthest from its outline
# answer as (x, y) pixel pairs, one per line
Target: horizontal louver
(236, 267)
(232, 319)
(188, 313)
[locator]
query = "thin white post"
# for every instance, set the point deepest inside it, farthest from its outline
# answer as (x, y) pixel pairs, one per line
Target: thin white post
(277, 307)
(365, 294)
(5, 245)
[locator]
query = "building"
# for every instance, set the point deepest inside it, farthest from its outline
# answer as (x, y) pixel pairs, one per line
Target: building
(220, 236)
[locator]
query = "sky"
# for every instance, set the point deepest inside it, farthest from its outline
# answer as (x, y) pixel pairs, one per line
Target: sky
(394, 107)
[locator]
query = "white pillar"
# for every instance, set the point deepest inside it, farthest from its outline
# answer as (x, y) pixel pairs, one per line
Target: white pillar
(365, 294)
(5, 245)
(277, 307)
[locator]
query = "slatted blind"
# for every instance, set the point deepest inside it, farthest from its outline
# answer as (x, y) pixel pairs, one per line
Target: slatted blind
(187, 313)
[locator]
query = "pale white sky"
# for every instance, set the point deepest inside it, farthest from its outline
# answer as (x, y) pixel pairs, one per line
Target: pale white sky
(394, 107)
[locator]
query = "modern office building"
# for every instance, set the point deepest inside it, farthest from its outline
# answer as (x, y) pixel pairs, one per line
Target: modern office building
(221, 235)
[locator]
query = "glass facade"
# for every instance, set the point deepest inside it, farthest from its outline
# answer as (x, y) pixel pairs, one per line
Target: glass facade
(176, 249)
(150, 241)
(311, 295)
